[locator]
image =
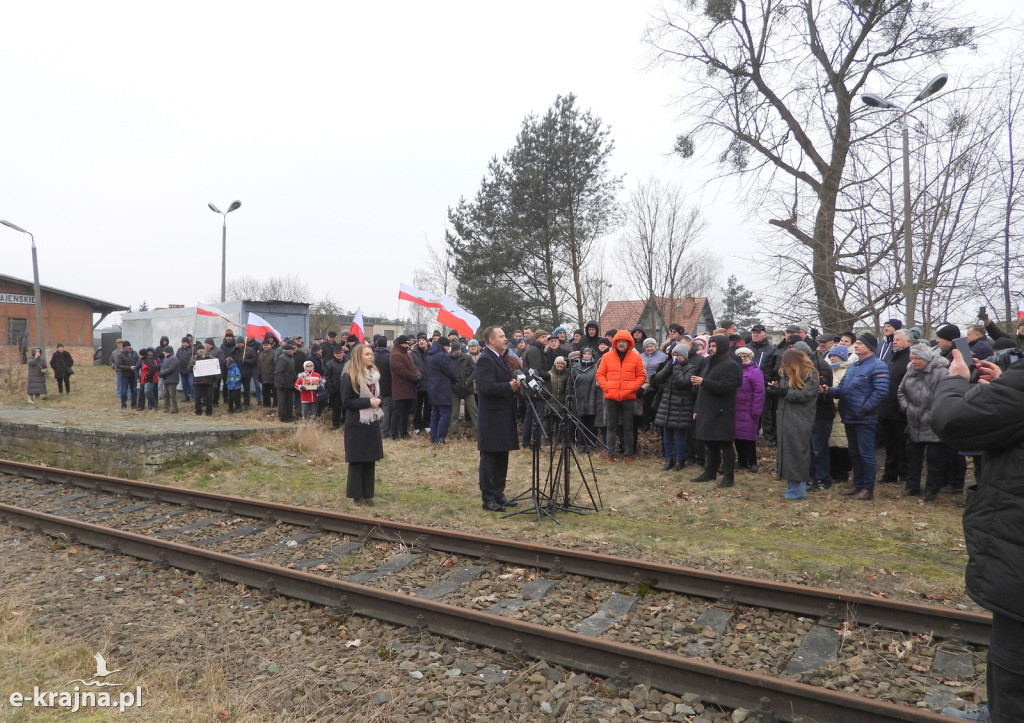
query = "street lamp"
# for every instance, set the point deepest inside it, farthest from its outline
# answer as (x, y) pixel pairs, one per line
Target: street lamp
(224, 244)
(35, 281)
(933, 87)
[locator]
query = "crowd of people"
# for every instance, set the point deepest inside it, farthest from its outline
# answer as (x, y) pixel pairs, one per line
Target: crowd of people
(825, 402)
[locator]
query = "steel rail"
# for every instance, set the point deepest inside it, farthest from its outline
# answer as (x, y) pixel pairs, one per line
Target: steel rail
(788, 700)
(944, 623)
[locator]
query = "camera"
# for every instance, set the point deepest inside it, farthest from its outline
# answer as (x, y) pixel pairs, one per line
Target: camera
(1006, 358)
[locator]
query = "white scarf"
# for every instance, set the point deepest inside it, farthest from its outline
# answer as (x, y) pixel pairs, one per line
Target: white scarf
(369, 415)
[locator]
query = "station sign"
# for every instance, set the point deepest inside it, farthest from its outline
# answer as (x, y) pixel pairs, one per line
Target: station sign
(17, 299)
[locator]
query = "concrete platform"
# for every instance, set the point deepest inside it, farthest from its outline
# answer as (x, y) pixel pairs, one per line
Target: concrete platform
(119, 442)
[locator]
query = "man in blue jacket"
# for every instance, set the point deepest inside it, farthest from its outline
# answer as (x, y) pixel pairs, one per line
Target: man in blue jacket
(860, 393)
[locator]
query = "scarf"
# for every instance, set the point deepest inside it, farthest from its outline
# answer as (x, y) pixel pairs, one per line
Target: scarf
(369, 387)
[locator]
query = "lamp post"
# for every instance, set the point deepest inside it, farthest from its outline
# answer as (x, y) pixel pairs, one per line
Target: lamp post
(933, 87)
(35, 282)
(224, 245)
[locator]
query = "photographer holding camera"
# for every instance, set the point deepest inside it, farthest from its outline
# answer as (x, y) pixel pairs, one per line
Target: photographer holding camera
(990, 416)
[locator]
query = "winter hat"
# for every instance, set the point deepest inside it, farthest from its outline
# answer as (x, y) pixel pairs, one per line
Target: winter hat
(472, 343)
(209, 340)
(868, 339)
(758, 327)
(923, 351)
(949, 332)
(916, 332)
(895, 324)
(804, 347)
(402, 339)
(792, 328)
(793, 339)
(681, 350)
(444, 342)
(559, 359)
(804, 327)
(538, 333)
(184, 338)
(649, 341)
(558, 329)
(744, 351)
(839, 351)
(307, 365)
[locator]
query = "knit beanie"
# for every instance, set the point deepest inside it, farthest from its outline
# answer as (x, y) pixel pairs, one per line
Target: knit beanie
(840, 351)
(924, 351)
(804, 347)
(649, 341)
(895, 324)
(948, 332)
(869, 340)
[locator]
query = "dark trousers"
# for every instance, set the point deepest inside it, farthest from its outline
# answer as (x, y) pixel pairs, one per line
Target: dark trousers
(440, 419)
(861, 439)
(203, 397)
(335, 402)
(129, 389)
(233, 397)
(246, 393)
(1005, 677)
(493, 472)
(771, 404)
(936, 455)
(420, 411)
(360, 480)
(285, 399)
(674, 442)
(820, 433)
(269, 395)
(893, 434)
(62, 384)
(400, 418)
(721, 455)
(746, 453)
(616, 413)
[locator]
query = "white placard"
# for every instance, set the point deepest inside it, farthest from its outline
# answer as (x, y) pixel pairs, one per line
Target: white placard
(206, 368)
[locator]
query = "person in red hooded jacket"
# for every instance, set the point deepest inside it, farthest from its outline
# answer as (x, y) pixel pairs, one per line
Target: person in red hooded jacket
(620, 375)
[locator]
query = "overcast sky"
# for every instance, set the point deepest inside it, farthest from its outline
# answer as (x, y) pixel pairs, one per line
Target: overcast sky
(346, 131)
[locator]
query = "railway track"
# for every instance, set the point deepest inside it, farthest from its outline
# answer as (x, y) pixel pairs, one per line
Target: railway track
(788, 652)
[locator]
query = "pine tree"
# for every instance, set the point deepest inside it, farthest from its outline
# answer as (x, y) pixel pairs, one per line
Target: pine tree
(739, 304)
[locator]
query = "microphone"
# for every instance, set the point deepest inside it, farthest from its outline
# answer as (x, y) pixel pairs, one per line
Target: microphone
(520, 377)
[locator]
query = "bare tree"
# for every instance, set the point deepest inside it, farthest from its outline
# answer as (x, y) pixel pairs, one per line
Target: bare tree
(597, 289)
(275, 288)
(659, 249)
(777, 81)
(324, 316)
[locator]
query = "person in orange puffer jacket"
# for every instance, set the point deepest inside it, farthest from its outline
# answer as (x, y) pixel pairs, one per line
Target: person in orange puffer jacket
(620, 375)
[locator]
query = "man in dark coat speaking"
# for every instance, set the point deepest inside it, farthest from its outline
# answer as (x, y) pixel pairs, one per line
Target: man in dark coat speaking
(495, 419)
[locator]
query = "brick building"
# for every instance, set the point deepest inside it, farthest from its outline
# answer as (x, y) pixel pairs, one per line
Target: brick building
(68, 319)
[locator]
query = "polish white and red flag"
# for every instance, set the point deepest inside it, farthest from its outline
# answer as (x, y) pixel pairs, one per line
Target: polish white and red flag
(200, 311)
(357, 326)
(455, 317)
(415, 296)
(260, 328)
(1020, 313)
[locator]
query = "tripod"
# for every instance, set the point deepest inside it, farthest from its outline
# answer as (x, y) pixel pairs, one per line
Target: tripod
(560, 473)
(543, 504)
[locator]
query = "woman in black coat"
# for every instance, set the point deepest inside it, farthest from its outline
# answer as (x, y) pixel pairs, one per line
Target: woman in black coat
(675, 407)
(361, 400)
(715, 410)
(61, 363)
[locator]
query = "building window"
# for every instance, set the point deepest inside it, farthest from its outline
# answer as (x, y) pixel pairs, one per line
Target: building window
(16, 328)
